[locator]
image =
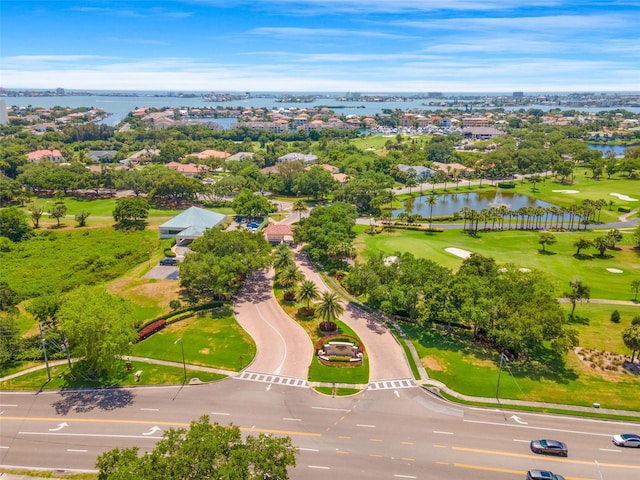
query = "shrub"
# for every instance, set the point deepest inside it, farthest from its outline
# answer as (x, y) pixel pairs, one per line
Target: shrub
(615, 316)
(151, 329)
(624, 209)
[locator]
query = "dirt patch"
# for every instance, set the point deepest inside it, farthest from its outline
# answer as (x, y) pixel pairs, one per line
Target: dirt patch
(482, 363)
(204, 351)
(432, 364)
(606, 362)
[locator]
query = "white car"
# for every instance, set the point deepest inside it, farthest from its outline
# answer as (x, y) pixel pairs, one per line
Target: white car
(626, 440)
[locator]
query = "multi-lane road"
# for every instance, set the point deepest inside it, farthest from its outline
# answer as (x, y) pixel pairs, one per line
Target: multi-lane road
(382, 433)
(392, 430)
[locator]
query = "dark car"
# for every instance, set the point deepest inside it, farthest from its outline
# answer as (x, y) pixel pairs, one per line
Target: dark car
(552, 447)
(626, 440)
(168, 261)
(543, 475)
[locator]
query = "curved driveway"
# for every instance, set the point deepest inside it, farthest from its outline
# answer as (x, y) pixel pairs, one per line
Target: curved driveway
(386, 357)
(283, 347)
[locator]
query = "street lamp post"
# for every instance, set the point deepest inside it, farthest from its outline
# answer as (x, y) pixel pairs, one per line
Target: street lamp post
(184, 364)
(503, 358)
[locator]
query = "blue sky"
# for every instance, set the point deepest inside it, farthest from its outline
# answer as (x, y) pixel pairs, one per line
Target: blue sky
(322, 45)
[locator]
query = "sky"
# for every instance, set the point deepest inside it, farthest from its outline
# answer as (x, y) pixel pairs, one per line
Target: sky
(367, 46)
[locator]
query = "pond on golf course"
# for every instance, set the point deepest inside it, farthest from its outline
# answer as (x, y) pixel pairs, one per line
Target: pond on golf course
(449, 203)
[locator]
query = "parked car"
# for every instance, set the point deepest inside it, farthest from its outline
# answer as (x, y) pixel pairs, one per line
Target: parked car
(552, 447)
(543, 475)
(169, 261)
(626, 440)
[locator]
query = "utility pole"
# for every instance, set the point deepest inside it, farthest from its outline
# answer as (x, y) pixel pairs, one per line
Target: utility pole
(184, 364)
(503, 357)
(44, 349)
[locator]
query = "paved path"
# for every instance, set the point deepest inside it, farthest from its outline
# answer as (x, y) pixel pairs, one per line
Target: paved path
(283, 347)
(386, 356)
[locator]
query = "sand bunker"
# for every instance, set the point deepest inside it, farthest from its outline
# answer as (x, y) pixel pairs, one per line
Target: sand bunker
(388, 261)
(614, 270)
(458, 252)
(565, 191)
(624, 197)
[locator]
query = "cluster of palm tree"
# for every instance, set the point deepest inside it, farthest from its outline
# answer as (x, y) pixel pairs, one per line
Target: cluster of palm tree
(297, 287)
(532, 218)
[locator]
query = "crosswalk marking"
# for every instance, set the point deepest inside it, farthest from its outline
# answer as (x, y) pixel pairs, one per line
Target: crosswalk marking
(269, 378)
(392, 384)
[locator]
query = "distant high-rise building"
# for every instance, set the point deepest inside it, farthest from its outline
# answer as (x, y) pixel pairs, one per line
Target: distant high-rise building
(59, 91)
(4, 118)
(434, 94)
(518, 94)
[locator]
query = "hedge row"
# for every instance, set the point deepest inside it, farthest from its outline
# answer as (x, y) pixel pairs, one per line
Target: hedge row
(151, 329)
(171, 317)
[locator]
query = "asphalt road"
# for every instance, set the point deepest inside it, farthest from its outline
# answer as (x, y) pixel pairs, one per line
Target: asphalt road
(393, 433)
(393, 429)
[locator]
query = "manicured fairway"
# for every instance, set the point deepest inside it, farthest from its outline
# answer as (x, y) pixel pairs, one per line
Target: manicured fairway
(520, 248)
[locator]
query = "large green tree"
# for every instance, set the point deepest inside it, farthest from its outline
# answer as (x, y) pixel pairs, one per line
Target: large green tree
(14, 224)
(99, 327)
(203, 452)
(221, 261)
(130, 210)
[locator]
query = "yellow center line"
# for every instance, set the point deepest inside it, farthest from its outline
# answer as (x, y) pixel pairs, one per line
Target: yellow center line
(375, 455)
(343, 437)
(564, 460)
(376, 440)
(150, 422)
(408, 459)
(342, 452)
(407, 443)
(507, 470)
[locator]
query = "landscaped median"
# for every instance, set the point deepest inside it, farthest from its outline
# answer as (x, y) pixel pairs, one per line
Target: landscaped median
(211, 339)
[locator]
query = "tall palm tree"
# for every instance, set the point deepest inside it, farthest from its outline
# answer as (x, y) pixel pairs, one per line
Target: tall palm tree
(300, 206)
(431, 201)
(282, 257)
(289, 277)
(330, 307)
(308, 291)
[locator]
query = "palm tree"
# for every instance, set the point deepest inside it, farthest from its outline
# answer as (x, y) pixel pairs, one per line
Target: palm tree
(300, 206)
(282, 257)
(308, 291)
(431, 201)
(329, 308)
(288, 279)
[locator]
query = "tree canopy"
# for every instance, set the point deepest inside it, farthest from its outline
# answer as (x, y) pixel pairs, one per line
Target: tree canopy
(99, 327)
(203, 452)
(221, 261)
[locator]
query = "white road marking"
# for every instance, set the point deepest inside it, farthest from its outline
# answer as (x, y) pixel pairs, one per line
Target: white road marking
(523, 441)
(404, 476)
(397, 394)
(284, 343)
(60, 427)
(75, 450)
(268, 387)
(152, 430)
(443, 433)
(292, 419)
(3, 447)
(150, 409)
(7, 404)
(98, 435)
(365, 426)
(610, 450)
(332, 409)
(539, 428)
(309, 449)
(518, 420)
(220, 413)
(320, 467)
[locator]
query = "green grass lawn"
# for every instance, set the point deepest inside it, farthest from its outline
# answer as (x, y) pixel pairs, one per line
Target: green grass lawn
(520, 248)
(472, 370)
(53, 262)
(212, 340)
(62, 378)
